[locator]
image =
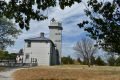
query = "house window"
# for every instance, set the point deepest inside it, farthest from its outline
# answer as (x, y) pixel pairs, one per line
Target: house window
(29, 44)
(27, 56)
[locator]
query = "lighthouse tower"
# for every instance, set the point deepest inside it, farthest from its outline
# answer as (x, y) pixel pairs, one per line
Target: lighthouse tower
(56, 35)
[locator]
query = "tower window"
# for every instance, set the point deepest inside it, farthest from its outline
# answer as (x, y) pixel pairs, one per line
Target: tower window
(57, 40)
(29, 44)
(57, 34)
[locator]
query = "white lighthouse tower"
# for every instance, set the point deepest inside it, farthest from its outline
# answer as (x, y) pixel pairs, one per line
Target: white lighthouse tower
(56, 35)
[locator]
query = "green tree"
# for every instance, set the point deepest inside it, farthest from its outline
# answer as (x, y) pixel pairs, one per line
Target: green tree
(13, 56)
(7, 55)
(79, 60)
(8, 33)
(118, 61)
(64, 60)
(99, 61)
(111, 61)
(22, 10)
(2, 54)
(103, 24)
(67, 60)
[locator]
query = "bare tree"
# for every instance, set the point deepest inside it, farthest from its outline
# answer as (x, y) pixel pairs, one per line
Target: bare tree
(86, 49)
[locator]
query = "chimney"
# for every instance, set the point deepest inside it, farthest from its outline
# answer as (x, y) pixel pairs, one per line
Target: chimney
(42, 34)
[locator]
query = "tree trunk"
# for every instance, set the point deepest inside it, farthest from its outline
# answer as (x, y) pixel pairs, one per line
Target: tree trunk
(88, 62)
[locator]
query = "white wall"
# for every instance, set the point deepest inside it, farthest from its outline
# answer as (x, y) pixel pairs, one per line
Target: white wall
(55, 37)
(39, 50)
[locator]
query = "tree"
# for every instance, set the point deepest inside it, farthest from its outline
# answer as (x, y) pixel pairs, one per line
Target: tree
(8, 33)
(79, 60)
(1, 54)
(17, 9)
(13, 56)
(118, 61)
(99, 61)
(103, 24)
(67, 60)
(111, 60)
(86, 49)
(22, 10)
(7, 55)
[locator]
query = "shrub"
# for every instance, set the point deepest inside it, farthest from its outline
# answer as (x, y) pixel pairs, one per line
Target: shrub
(118, 61)
(99, 61)
(111, 61)
(67, 60)
(7, 55)
(93, 61)
(79, 60)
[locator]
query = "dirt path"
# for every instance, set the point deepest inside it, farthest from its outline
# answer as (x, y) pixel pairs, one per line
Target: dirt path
(6, 75)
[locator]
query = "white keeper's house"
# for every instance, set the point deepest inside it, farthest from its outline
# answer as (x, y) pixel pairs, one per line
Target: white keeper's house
(45, 51)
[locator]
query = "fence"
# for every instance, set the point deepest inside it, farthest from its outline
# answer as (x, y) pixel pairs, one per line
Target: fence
(13, 63)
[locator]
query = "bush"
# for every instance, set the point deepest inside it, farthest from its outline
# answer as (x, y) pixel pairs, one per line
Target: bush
(84, 62)
(67, 60)
(79, 60)
(99, 61)
(7, 55)
(93, 61)
(118, 61)
(111, 61)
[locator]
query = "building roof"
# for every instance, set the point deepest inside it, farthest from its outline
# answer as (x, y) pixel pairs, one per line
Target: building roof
(39, 39)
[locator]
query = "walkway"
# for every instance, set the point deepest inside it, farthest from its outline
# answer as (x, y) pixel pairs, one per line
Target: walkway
(7, 74)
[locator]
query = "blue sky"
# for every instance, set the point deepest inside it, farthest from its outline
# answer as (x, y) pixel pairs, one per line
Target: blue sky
(69, 17)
